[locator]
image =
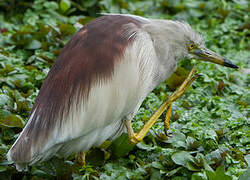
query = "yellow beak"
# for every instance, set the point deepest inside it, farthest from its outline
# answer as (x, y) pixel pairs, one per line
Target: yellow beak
(208, 55)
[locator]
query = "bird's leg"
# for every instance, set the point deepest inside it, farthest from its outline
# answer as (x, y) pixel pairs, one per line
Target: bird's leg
(80, 158)
(137, 137)
(166, 122)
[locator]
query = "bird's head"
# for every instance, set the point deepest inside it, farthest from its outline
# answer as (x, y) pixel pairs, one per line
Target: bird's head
(202, 53)
(195, 46)
(177, 39)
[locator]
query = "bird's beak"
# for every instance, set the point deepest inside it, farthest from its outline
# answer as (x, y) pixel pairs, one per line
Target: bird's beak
(208, 55)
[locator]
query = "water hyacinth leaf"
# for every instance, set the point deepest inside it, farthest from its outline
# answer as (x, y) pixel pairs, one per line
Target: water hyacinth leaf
(178, 140)
(41, 173)
(198, 176)
(4, 113)
(95, 156)
(200, 160)
(105, 144)
(3, 168)
(218, 174)
(12, 121)
(211, 134)
(247, 159)
(218, 155)
(173, 172)
(157, 165)
(121, 146)
(245, 175)
(192, 143)
(155, 174)
(5, 100)
(6, 69)
(65, 5)
(34, 44)
(85, 20)
(51, 5)
(182, 157)
(23, 106)
(192, 166)
(66, 29)
(144, 146)
(63, 170)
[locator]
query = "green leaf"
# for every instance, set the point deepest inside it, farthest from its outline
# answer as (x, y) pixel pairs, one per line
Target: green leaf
(157, 165)
(211, 134)
(95, 156)
(147, 147)
(12, 121)
(173, 172)
(50, 5)
(34, 44)
(181, 158)
(155, 174)
(3, 168)
(247, 159)
(218, 174)
(199, 176)
(4, 99)
(178, 139)
(192, 143)
(121, 146)
(65, 5)
(192, 167)
(66, 29)
(245, 175)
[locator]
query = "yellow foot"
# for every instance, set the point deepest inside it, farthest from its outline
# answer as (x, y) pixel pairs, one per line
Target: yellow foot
(134, 139)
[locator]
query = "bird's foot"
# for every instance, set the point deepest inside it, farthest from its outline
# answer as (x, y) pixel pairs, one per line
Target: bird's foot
(134, 139)
(165, 131)
(167, 134)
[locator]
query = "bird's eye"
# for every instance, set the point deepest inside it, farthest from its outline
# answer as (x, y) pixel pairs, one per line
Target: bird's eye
(191, 46)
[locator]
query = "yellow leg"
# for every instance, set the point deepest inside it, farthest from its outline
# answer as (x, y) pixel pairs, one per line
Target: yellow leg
(166, 122)
(137, 137)
(80, 158)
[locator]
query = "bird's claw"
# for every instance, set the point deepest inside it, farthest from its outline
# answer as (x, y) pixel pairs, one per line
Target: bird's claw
(165, 131)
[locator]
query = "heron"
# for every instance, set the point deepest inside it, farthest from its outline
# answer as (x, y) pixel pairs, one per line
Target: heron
(100, 79)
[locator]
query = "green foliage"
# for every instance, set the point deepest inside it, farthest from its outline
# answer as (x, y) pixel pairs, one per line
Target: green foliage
(209, 129)
(121, 146)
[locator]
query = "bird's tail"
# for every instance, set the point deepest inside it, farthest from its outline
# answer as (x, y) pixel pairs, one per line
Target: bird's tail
(23, 152)
(20, 152)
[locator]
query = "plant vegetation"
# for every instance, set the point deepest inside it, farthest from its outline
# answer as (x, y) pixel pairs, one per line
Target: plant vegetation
(210, 127)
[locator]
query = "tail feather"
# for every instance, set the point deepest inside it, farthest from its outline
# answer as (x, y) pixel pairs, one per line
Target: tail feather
(18, 155)
(23, 151)
(19, 166)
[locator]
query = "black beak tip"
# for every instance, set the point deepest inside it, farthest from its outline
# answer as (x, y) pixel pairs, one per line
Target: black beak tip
(227, 63)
